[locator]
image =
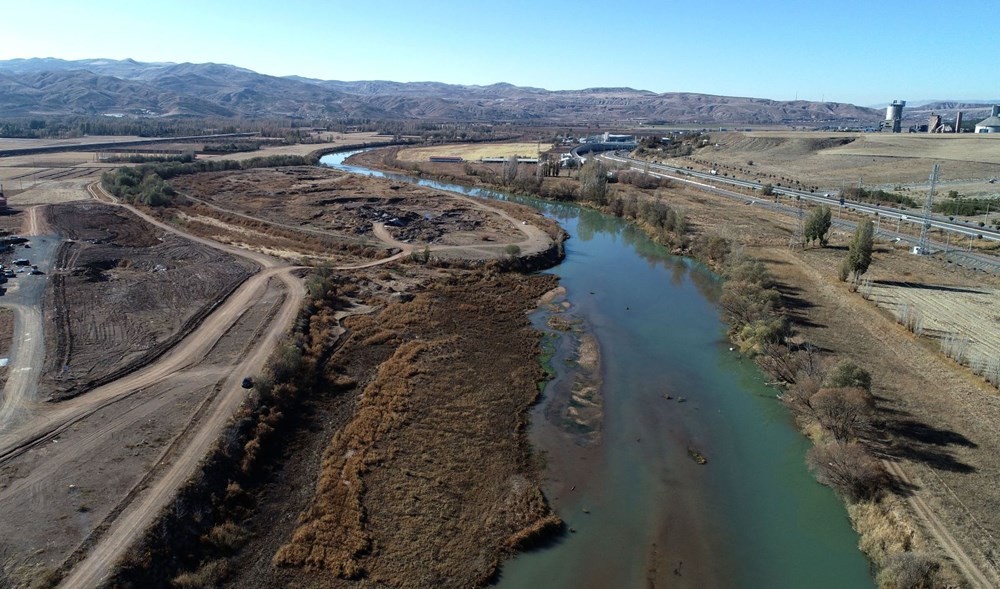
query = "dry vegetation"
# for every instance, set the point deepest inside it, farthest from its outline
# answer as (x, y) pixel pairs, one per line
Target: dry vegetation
(426, 484)
(473, 151)
(428, 478)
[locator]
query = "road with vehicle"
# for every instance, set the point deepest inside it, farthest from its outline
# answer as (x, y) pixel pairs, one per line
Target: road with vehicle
(951, 250)
(831, 199)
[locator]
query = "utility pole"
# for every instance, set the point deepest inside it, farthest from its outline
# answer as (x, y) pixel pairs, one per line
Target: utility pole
(922, 245)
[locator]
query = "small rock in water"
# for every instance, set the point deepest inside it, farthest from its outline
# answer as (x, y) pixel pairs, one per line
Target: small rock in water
(667, 397)
(681, 399)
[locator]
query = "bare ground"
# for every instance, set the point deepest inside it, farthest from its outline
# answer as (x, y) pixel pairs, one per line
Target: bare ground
(125, 292)
(54, 499)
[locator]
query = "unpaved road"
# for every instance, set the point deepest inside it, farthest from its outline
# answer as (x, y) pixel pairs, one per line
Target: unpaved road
(28, 345)
(26, 357)
(936, 528)
(137, 516)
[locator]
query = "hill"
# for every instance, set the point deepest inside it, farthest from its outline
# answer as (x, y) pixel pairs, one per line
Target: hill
(48, 86)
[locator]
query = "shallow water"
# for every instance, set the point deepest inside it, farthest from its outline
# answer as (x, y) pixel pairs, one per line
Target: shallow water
(642, 511)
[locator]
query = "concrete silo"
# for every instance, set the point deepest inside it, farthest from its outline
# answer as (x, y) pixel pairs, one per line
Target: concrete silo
(894, 116)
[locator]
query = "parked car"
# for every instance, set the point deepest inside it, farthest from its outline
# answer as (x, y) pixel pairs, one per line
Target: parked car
(247, 383)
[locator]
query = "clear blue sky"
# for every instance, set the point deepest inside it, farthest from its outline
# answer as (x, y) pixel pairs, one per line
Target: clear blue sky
(864, 52)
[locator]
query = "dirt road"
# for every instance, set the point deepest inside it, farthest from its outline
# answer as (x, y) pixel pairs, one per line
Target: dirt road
(134, 520)
(180, 466)
(26, 358)
(937, 529)
(28, 350)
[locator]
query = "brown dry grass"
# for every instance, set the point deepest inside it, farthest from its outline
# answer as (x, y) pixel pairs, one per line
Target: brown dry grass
(473, 151)
(427, 485)
(829, 159)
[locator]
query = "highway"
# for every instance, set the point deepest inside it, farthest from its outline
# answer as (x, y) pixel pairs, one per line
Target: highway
(908, 216)
(952, 250)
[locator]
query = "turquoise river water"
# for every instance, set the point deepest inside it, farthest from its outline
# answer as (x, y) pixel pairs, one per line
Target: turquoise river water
(642, 512)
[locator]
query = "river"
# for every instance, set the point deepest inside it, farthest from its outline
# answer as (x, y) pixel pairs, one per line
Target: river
(640, 510)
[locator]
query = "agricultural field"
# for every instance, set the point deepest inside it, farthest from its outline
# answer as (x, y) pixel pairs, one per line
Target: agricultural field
(963, 320)
(474, 151)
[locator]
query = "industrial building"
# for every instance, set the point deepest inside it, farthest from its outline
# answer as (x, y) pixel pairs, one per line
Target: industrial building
(990, 124)
(893, 122)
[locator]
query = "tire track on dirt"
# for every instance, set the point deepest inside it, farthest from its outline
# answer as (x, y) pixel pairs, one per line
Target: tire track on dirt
(138, 516)
(134, 518)
(936, 529)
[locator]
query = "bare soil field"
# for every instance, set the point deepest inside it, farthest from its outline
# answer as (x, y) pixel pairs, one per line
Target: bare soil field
(830, 159)
(338, 211)
(125, 292)
(56, 499)
(474, 151)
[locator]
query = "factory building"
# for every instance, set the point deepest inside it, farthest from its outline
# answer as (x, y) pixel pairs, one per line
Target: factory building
(893, 117)
(990, 124)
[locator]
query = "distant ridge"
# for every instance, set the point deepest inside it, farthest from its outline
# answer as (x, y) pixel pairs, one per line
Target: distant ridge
(51, 86)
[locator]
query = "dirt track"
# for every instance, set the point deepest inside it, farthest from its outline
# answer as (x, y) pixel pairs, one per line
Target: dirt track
(50, 421)
(28, 354)
(939, 531)
(136, 517)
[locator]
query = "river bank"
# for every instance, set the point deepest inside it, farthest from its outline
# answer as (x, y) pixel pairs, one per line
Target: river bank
(638, 499)
(812, 302)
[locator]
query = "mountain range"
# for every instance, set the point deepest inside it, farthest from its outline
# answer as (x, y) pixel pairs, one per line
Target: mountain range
(50, 87)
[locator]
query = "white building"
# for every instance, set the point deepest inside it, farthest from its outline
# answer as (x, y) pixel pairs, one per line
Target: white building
(991, 124)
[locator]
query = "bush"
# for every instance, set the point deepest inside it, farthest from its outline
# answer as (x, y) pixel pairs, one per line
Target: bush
(877, 196)
(849, 374)
(849, 469)
(845, 412)
(909, 570)
(965, 206)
